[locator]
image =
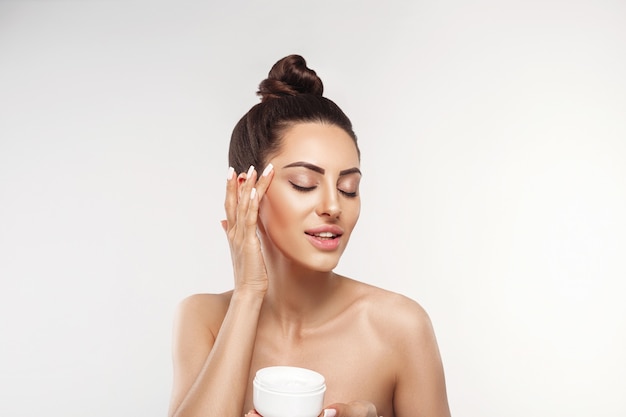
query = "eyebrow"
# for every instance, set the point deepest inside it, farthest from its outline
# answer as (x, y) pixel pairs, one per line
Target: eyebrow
(322, 170)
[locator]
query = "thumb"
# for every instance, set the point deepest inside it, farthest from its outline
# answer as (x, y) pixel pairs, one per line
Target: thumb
(353, 409)
(331, 412)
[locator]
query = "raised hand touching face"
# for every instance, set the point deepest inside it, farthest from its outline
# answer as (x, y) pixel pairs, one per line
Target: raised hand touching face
(243, 194)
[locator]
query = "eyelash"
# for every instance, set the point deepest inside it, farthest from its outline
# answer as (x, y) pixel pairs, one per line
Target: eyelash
(300, 188)
(307, 189)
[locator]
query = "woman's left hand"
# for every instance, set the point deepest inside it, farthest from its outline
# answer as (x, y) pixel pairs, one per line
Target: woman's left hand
(352, 409)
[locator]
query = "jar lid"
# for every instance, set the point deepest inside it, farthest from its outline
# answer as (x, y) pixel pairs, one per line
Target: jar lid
(289, 379)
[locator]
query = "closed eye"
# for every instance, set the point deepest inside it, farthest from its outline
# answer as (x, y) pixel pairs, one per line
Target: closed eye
(349, 194)
(301, 188)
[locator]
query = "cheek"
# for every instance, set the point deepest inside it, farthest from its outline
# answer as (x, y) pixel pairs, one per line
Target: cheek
(276, 207)
(357, 211)
(354, 212)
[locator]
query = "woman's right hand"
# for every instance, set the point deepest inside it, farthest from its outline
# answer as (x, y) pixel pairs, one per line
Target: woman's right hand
(243, 194)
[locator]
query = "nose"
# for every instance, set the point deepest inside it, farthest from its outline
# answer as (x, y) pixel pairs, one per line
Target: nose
(330, 205)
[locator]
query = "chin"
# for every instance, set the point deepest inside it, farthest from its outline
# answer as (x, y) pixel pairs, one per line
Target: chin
(324, 263)
(326, 268)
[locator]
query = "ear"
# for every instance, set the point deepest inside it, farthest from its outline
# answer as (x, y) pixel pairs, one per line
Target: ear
(241, 179)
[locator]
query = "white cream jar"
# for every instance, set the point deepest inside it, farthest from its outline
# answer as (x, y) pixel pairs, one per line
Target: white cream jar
(287, 391)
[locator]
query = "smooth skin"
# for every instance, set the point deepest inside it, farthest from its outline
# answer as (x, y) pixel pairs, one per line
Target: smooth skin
(376, 349)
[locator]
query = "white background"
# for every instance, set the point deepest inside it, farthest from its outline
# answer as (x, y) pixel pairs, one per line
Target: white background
(493, 136)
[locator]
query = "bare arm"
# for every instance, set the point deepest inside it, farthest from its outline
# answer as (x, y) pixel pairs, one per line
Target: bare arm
(421, 387)
(212, 363)
(211, 373)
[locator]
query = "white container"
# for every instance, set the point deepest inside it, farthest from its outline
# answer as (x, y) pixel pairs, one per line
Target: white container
(287, 391)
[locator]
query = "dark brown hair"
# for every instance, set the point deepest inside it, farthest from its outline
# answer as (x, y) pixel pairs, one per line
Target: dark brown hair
(292, 93)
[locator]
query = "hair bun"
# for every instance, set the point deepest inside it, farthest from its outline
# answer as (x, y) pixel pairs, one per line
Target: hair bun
(289, 77)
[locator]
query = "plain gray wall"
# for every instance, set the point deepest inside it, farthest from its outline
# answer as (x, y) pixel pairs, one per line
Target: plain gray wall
(493, 136)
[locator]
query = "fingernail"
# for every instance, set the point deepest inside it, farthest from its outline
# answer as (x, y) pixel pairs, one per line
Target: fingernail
(250, 170)
(231, 172)
(267, 170)
(252, 193)
(330, 412)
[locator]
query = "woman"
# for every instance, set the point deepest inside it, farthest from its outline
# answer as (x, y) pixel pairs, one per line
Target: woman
(287, 228)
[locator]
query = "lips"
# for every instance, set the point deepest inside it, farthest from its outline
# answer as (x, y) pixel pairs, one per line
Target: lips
(325, 232)
(325, 237)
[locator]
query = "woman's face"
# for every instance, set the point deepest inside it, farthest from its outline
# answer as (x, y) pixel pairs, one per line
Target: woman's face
(313, 202)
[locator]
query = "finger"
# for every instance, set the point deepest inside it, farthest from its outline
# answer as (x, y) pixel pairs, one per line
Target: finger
(246, 181)
(230, 204)
(352, 409)
(329, 412)
(253, 211)
(337, 410)
(246, 194)
(252, 413)
(264, 180)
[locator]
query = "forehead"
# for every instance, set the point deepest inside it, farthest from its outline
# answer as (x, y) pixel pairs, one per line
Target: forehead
(322, 144)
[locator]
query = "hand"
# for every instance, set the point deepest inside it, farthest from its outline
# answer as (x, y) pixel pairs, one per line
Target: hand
(352, 409)
(243, 194)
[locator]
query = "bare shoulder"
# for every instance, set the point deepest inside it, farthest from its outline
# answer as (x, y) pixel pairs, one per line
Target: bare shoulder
(397, 316)
(197, 321)
(204, 312)
(205, 303)
(404, 328)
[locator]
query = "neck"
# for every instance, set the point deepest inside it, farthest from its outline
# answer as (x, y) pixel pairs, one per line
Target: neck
(297, 297)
